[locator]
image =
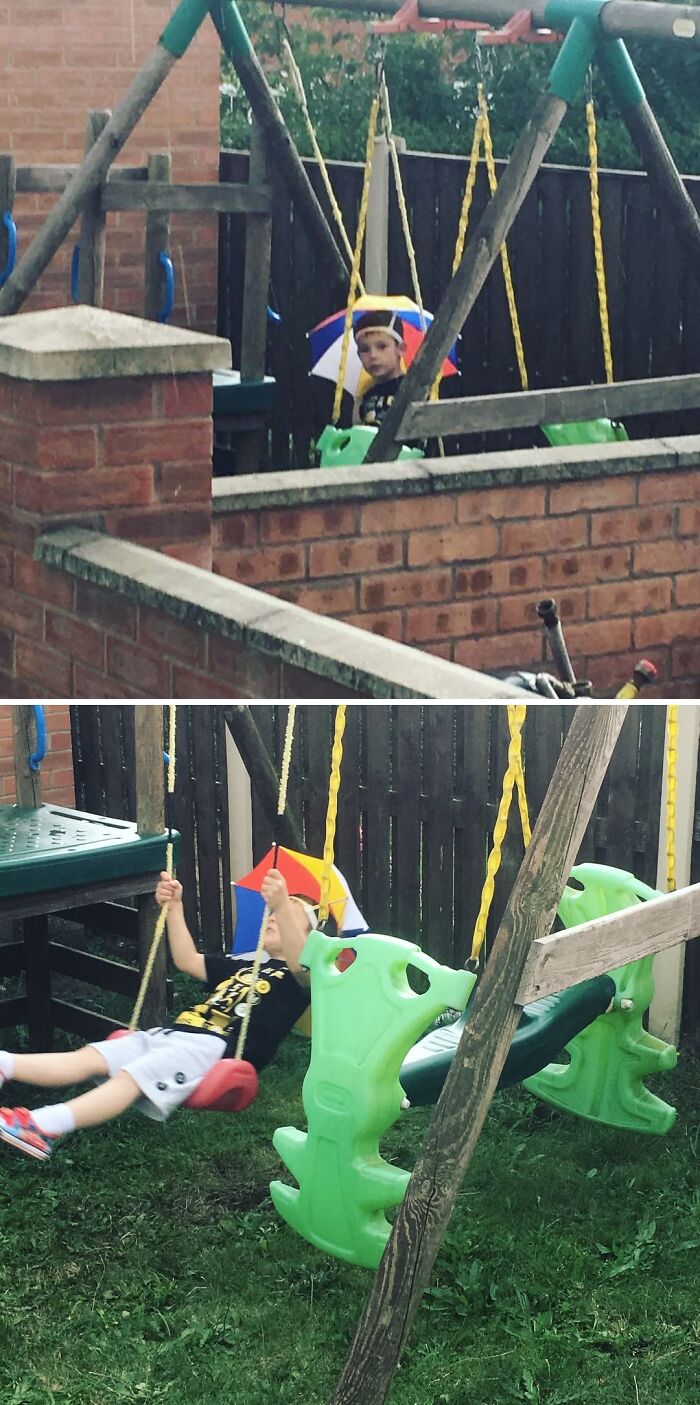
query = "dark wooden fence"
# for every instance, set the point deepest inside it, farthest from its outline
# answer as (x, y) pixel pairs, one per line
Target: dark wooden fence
(420, 788)
(654, 297)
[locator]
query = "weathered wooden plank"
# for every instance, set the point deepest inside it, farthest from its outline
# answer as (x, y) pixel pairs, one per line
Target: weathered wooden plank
(490, 412)
(565, 958)
(35, 932)
(409, 766)
(463, 1104)
(86, 1024)
(27, 782)
(22, 905)
(160, 165)
(52, 179)
(113, 976)
(93, 227)
(207, 197)
(107, 919)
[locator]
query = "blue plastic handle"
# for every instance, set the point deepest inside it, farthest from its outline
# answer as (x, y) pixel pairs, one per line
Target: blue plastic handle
(75, 273)
(36, 757)
(273, 316)
(11, 230)
(166, 264)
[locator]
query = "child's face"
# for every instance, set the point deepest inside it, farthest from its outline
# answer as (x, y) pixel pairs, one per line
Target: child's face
(272, 935)
(380, 353)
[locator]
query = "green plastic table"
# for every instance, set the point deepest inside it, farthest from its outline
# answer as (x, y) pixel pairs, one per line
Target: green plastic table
(56, 860)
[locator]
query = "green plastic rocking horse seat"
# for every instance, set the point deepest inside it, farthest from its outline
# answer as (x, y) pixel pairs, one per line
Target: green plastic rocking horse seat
(365, 1019)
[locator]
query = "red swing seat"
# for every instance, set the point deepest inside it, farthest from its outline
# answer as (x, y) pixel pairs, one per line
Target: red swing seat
(230, 1086)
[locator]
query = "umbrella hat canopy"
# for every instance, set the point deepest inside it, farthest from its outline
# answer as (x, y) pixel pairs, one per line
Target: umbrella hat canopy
(326, 339)
(302, 875)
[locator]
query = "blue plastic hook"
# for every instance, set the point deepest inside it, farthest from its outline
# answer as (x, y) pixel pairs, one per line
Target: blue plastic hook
(75, 273)
(11, 230)
(35, 758)
(166, 264)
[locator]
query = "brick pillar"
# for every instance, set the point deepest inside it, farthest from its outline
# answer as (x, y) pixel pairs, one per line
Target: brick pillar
(104, 420)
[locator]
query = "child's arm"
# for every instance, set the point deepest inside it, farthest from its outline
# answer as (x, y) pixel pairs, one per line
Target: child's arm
(180, 941)
(292, 931)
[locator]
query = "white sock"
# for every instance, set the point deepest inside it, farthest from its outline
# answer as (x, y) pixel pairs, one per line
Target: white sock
(54, 1121)
(7, 1066)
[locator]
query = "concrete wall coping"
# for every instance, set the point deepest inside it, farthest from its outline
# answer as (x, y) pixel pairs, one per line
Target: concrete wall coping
(345, 655)
(88, 343)
(498, 469)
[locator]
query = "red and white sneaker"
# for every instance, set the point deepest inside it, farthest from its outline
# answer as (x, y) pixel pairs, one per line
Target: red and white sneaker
(18, 1129)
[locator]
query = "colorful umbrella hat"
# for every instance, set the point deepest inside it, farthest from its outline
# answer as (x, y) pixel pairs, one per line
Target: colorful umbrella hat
(303, 876)
(326, 340)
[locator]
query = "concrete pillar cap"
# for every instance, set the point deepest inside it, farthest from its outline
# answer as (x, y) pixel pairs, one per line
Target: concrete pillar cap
(88, 343)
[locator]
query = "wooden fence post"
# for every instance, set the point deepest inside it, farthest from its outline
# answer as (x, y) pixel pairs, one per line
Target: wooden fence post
(150, 819)
(258, 254)
(471, 1082)
(263, 775)
(160, 168)
(27, 782)
(93, 226)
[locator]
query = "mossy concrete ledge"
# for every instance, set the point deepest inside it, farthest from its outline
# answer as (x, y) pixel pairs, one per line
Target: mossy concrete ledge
(88, 343)
(344, 655)
(422, 477)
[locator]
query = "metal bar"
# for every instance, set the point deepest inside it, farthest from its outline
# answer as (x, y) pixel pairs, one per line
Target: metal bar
(618, 19)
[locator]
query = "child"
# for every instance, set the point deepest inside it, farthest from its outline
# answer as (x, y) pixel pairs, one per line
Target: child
(160, 1068)
(381, 348)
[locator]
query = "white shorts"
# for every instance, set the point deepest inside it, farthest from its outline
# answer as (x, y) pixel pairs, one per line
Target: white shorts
(166, 1064)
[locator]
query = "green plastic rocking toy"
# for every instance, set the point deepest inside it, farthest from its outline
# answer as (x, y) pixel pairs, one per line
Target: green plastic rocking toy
(365, 1020)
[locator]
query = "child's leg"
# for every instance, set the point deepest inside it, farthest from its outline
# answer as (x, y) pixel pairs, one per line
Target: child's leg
(37, 1132)
(103, 1103)
(54, 1070)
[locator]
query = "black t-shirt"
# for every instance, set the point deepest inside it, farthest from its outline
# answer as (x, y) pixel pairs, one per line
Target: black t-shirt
(376, 401)
(279, 1002)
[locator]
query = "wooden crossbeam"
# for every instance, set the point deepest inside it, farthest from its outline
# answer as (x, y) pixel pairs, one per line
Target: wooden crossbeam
(52, 179)
(565, 958)
(203, 196)
(478, 413)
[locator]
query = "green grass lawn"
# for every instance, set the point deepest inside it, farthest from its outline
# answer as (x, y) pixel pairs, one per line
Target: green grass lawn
(146, 1263)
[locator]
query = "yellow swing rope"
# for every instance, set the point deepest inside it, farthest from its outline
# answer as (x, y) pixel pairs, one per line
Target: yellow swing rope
(505, 261)
(357, 257)
(332, 811)
(401, 197)
(671, 777)
(298, 84)
(257, 960)
(598, 242)
(514, 776)
(162, 915)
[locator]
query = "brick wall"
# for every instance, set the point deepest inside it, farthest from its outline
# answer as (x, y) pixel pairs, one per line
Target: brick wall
(56, 771)
(61, 60)
(110, 453)
(459, 573)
